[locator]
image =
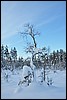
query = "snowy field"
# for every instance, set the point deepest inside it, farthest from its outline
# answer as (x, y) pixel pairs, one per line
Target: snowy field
(36, 90)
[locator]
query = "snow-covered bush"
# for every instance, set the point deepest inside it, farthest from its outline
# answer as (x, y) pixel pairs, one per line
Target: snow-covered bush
(49, 81)
(26, 75)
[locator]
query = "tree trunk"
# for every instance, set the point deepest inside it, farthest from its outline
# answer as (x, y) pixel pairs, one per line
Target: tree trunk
(35, 45)
(44, 72)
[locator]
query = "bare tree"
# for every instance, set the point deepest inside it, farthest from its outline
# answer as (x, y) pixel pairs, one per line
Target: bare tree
(32, 47)
(30, 31)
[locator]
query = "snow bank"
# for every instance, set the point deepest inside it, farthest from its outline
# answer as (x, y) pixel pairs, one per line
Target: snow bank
(36, 90)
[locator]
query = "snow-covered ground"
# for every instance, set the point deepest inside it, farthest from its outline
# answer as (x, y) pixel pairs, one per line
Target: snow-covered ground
(36, 90)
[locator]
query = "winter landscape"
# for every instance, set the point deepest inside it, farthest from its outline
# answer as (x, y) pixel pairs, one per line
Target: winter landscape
(33, 60)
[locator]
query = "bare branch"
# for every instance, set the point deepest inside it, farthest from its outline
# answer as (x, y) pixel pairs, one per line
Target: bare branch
(37, 33)
(30, 32)
(27, 25)
(24, 33)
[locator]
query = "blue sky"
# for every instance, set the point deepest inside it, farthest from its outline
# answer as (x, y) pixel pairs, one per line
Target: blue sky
(48, 17)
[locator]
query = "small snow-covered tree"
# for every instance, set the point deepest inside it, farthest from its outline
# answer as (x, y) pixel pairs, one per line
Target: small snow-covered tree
(26, 75)
(49, 81)
(20, 62)
(2, 53)
(13, 54)
(6, 52)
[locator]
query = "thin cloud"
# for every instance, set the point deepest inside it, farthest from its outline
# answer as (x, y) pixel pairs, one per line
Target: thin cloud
(48, 21)
(17, 42)
(8, 33)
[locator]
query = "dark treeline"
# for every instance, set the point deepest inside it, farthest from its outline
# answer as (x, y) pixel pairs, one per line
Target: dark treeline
(55, 60)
